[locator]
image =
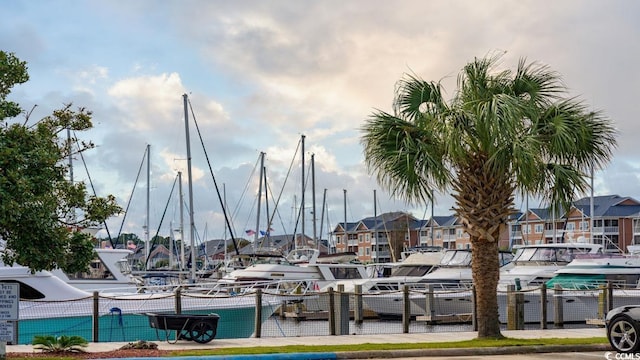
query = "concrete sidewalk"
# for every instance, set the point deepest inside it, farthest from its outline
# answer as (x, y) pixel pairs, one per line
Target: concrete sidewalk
(358, 339)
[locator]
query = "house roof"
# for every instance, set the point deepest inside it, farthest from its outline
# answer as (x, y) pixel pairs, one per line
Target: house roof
(607, 205)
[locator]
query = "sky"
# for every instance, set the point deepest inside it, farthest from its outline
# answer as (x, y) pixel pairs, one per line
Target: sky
(259, 75)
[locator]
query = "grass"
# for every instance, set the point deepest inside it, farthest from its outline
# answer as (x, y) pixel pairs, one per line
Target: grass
(399, 346)
(475, 343)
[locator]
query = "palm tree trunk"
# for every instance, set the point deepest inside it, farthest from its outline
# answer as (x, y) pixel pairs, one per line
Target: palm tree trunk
(484, 261)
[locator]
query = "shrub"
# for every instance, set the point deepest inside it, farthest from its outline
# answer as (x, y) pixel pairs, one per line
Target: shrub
(63, 343)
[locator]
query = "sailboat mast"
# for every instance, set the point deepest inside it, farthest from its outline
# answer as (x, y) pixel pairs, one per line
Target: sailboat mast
(146, 231)
(346, 236)
(189, 177)
(313, 198)
(267, 231)
(591, 210)
(182, 260)
(302, 199)
(255, 235)
(324, 204)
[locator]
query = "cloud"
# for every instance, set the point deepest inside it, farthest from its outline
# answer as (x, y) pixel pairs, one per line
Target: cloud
(259, 74)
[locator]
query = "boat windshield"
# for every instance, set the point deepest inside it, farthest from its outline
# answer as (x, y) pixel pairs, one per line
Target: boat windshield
(411, 270)
(124, 266)
(547, 254)
(456, 258)
(302, 255)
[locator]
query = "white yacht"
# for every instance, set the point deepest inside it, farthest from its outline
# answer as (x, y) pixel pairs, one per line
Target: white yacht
(109, 271)
(304, 264)
(450, 280)
(537, 264)
(583, 278)
(48, 302)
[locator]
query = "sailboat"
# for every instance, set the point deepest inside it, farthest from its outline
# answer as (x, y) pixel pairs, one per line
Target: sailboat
(49, 305)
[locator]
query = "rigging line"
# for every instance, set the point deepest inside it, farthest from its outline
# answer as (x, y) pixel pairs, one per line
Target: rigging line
(300, 216)
(250, 215)
(387, 233)
(244, 191)
(94, 190)
(285, 180)
(126, 210)
(276, 210)
(155, 237)
(215, 183)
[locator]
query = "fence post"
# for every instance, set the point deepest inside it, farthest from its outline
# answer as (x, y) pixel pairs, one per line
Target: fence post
(406, 309)
(178, 300)
(258, 312)
(96, 317)
(515, 308)
(602, 301)
(474, 313)
(430, 310)
(557, 304)
(543, 306)
(343, 311)
(332, 312)
(283, 306)
(358, 306)
(609, 297)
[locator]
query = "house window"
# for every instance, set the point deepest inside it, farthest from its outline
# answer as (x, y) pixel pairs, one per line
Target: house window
(368, 251)
(571, 226)
(584, 225)
(367, 237)
(360, 238)
(538, 228)
(526, 229)
(360, 251)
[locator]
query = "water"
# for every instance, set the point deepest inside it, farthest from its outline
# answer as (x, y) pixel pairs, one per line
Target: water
(277, 327)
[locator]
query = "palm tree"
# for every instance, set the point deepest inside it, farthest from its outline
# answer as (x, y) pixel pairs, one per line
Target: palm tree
(503, 133)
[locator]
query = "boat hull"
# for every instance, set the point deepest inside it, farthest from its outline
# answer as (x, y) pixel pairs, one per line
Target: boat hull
(125, 320)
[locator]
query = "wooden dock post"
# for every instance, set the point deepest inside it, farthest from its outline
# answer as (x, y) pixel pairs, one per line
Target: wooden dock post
(543, 306)
(342, 312)
(515, 309)
(558, 304)
(358, 309)
(406, 310)
(332, 312)
(430, 309)
(178, 299)
(96, 317)
(258, 324)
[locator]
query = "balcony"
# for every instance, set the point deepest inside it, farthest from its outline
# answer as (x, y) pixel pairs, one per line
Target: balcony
(380, 254)
(605, 230)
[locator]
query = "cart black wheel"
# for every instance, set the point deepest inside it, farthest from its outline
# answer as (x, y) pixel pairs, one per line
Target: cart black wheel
(202, 331)
(185, 335)
(624, 334)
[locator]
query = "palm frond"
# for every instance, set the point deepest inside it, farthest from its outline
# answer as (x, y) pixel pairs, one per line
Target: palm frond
(407, 159)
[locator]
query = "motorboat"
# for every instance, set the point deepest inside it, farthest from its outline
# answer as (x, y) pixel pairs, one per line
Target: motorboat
(109, 271)
(50, 306)
(582, 283)
(302, 265)
(538, 264)
(446, 287)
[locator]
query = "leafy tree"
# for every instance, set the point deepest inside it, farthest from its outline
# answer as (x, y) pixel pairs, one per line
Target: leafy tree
(41, 212)
(502, 133)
